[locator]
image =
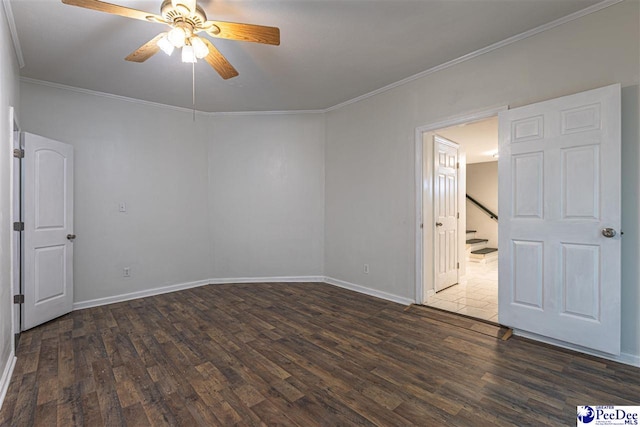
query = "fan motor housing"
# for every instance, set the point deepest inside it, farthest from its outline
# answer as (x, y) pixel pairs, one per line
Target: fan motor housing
(174, 15)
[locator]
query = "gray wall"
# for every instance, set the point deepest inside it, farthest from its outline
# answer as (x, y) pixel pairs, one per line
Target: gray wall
(154, 160)
(482, 185)
(219, 198)
(266, 195)
(370, 152)
(9, 88)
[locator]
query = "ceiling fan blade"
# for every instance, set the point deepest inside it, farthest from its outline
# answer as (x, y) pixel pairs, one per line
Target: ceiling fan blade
(243, 32)
(145, 51)
(219, 62)
(101, 6)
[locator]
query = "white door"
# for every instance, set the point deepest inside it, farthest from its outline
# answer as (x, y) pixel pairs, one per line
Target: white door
(559, 201)
(445, 195)
(48, 229)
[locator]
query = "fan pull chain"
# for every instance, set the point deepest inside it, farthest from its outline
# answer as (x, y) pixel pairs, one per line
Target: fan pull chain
(193, 88)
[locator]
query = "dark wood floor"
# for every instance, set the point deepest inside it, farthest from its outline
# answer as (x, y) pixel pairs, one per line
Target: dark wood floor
(295, 354)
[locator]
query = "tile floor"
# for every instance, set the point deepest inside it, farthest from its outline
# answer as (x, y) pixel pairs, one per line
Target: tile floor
(476, 295)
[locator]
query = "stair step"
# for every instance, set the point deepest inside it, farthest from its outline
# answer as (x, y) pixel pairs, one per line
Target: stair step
(476, 241)
(484, 251)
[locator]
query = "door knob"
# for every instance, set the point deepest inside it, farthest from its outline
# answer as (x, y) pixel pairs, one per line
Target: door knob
(71, 237)
(608, 232)
(438, 224)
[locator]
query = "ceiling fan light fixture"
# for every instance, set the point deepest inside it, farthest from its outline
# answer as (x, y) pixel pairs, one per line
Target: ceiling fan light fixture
(165, 45)
(186, 18)
(188, 54)
(200, 49)
(177, 37)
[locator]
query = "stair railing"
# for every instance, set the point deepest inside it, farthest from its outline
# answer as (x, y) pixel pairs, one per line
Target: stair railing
(483, 207)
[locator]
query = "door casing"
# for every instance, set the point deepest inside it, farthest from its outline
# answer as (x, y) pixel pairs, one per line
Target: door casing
(424, 192)
(15, 201)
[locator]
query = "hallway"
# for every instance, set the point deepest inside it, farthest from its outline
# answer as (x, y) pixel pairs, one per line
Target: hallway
(476, 295)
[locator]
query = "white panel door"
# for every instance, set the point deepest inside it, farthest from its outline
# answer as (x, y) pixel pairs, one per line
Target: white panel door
(445, 196)
(559, 191)
(48, 229)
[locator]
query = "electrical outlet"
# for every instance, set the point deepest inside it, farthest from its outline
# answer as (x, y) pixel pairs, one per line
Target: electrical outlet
(366, 269)
(126, 272)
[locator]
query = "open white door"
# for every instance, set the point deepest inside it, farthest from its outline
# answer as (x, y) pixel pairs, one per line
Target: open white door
(48, 229)
(559, 231)
(445, 196)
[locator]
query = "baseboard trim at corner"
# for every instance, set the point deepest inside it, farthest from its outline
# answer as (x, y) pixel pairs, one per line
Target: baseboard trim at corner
(368, 291)
(139, 294)
(181, 286)
(6, 377)
(629, 359)
(625, 358)
(275, 279)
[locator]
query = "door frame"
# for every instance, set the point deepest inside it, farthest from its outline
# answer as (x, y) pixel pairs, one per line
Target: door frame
(15, 195)
(425, 187)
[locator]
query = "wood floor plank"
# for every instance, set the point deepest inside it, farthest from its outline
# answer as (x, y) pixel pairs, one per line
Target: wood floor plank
(108, 400)
(25, 407)
(46, 414)
(91, 415)
(135, 416)
(299, 354)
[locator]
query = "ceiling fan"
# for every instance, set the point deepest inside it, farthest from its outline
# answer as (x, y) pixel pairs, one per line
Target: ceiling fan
(187, 19)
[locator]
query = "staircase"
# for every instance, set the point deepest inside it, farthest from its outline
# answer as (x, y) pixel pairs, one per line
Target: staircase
(477, 250)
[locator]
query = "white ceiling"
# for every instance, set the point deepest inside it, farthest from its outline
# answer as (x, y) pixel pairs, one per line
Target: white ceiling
(478, 140)
(331, 50)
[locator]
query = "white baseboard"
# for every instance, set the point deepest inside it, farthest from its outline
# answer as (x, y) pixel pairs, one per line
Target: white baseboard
(6, 377)
(369, 291)
(218, 281)
(626, 358)
(139, 294)
(284, 279)
(180, 286)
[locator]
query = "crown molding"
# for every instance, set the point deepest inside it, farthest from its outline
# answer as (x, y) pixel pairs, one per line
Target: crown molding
(14, 33)
(265, 113)
(160, 105)
(108, 95)
(506, 42)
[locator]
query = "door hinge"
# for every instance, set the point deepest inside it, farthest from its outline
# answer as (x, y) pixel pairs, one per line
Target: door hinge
(457, 165)
(18, 299)
(18, 226)
(18, 153)
(458, 266)
(458, 215)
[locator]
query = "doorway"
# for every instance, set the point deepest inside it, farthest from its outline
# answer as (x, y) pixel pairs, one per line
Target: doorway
(475, 290)
(560, 219)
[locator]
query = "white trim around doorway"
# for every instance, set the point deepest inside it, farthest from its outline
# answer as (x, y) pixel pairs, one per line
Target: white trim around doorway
(13, 189)
(426, 217)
